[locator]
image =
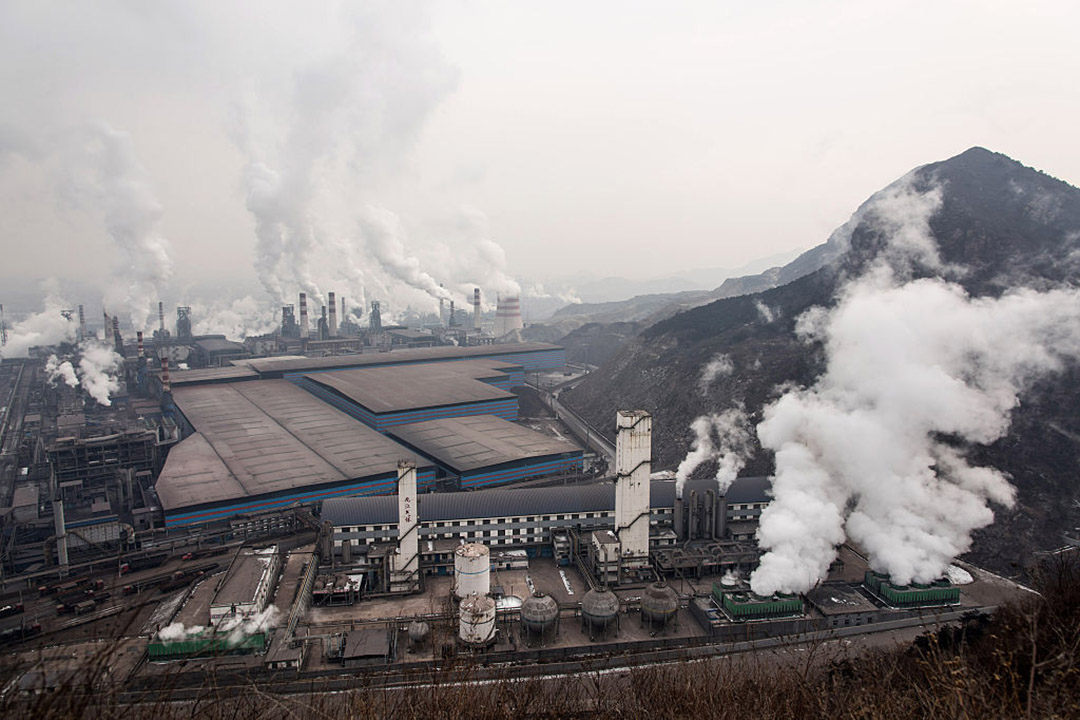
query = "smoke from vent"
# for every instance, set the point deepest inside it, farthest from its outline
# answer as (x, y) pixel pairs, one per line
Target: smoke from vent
(48, 327)
(720, 365)
(107, 173)
(97, 367)
(917, 371)
(723, 438)
(61, 371)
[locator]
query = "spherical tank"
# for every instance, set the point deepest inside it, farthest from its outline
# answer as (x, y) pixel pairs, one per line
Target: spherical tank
(477, 622)
(659, 603)
(418, 631)
(472, 570)
(539, 612)
(599, 607)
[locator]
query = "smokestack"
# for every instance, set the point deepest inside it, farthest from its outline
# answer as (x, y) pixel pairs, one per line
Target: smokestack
(82, 324)
(107, 325)
(507, 315)
(406, 562)
(118, 342)
(161, 317)
(633, 463)
(344, 317)
(375, 319)
(442, 311)
(333, 315)
(61, 532)
(451, 320)
(138, 338)
(166, 386)
(303, 317)
(476, 308)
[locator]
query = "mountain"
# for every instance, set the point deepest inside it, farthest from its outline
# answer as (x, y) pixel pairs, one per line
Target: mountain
(996, 225)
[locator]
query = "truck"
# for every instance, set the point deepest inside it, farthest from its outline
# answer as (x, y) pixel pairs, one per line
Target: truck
(9, 610)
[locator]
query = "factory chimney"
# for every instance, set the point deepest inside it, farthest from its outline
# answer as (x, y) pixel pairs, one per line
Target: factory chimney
(82, 324)
(118, 342)
(633, 463)
(405, 565)
(442, 311)
(344, 317)
(161, 317)
(303, 317)
(138, 339)
(451, 321)
(105, 328)
(476, 309)
(375, 319)
(507, 315)
(61, 532)
(333, 315)
(166, 386)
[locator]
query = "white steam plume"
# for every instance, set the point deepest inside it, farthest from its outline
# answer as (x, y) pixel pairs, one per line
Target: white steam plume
(61, 372)
(97, 365)
(872, 450)
(720, 365)
(241, 318)
(240, 627)
(106, 172)
(351, 110)
(723, 439)
(178, 631)
(48, 327)
(384, 234)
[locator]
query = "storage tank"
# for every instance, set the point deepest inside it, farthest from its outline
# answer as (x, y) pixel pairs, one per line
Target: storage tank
(472, 570)
(477, 621)
(539, 613)
(599, 609)
(659, 604)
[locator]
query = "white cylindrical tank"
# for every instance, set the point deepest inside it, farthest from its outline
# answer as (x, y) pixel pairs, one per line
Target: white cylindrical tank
(472, 570)
(477, 622)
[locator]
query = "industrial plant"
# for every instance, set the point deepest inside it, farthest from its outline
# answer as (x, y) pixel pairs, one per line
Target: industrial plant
(337, 495)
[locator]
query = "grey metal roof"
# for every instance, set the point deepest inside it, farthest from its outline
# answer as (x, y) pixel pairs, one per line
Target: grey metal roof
(414, 355)
(214, 344)
(394, 388)
(477, 441)
(179, 378)
(511, 502)
(265, 436)
(243, 579)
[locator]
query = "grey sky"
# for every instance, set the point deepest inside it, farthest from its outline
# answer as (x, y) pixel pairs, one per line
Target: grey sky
(623, 138)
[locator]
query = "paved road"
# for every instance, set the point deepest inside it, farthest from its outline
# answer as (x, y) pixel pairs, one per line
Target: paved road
(582, 429)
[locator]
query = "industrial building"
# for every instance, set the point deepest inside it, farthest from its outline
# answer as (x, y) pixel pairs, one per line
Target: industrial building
(527, 518)
(385, 397)
(485, 450)
(261, 445)
(247, 586)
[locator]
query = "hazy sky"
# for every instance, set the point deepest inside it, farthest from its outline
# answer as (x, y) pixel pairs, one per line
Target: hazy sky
(378, 145)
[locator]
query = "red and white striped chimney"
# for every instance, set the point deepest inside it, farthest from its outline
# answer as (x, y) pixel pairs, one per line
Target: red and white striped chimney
(166, 386)
(161, 317)
(138, 337)
(333, 315)
(476, 308)
(303, 316)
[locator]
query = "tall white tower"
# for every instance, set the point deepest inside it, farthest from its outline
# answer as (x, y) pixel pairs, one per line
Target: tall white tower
(633, 466)
(405, 563)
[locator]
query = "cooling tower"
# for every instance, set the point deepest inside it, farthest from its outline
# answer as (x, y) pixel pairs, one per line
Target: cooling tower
(507, 315)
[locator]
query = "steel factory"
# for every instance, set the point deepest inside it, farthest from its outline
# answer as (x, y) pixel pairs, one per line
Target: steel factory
(338, 496)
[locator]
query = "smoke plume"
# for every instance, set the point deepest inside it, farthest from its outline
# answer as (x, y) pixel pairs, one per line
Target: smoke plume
(61, 372)
(106, 172)
(97, 365)
(874, 450)
(723, 439)
(240, 627)
(720, 365)
(53, 325)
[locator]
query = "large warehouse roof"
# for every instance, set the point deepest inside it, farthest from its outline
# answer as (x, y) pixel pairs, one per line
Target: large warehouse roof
(408, 387)
(203, 376)
(510, 502)
(268, 436)
(292, 364)
(478, 441)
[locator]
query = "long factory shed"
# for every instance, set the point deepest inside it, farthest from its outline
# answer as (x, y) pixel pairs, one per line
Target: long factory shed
(390, 396)
(529, 357)
(485, 450)
(259, 445)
